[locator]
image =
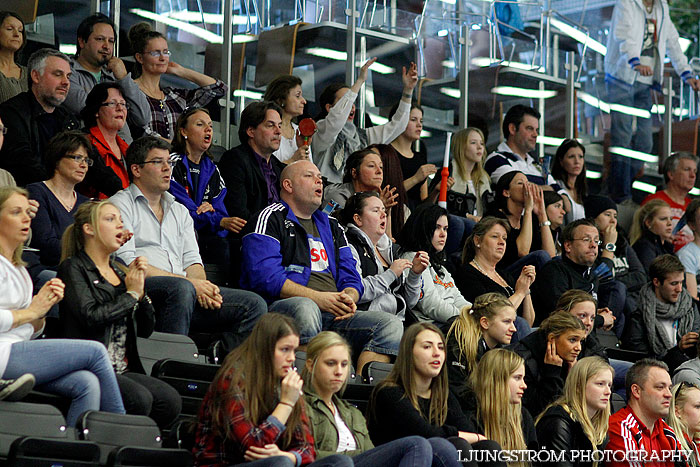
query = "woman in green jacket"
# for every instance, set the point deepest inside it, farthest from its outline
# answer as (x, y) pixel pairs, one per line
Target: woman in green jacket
(339, 428)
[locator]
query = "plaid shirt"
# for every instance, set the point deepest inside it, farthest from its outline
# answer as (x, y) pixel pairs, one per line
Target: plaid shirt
(212, 450)
(164, 114)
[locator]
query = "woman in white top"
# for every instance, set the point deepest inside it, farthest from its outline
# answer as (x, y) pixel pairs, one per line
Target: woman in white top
(77, 369)
(338, 137)
(285, 91)
(569, 170)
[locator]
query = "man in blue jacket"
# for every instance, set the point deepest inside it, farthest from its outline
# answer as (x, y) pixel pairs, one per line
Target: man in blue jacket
(299, 260)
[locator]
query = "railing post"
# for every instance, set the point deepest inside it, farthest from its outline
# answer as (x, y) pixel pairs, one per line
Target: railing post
(464, 59)
(569, 129)
(668, 117)
(352, 15)
(226, 51)
(363, 97)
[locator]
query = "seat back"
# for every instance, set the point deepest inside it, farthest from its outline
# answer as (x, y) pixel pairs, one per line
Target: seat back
(374, 372)
(149, 457)
(162, 345)
(18, 419)
(191, 380)
(616, 402)
(111, 430)
(43, 452)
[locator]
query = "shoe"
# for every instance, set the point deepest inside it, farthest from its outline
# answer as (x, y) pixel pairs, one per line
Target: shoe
(16, 389)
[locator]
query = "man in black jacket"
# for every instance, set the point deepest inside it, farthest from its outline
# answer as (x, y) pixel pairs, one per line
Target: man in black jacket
(580, 242)
(33, 117)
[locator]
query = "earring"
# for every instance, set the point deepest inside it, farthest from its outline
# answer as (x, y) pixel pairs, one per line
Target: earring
(478, 246)
(185, 136)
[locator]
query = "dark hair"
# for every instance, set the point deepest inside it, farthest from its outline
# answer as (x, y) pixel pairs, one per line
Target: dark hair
(417, 234)
(94, 100)
(328, 97)
(499, 200)
(664, 265)
(671, 163)
(551, 197)
(395, 107)
(638, 373)
(516, 115)
(690, 212)
(253, 115)
(140, 34)
(355, 160)
(393, 176)
(61, 144)
(480, 229)
(3, 16)
(567, 233)
(278, 90)
(558, 172)
(354, 205)
(87, 25)
(179, 144)
(139, 149)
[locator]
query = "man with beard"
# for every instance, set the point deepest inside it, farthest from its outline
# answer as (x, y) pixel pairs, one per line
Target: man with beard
(33, 117)
(666, 322)
(95, 63)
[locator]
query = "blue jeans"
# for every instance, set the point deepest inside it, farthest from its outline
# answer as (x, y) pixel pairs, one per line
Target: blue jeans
(411, 450)
(522, 328)
(458, 228)
(178, 312)
(623, 169)
(336, 460)
(373, 331)
(77, 369)
(620, 367)
(536, 258)
(613, 294)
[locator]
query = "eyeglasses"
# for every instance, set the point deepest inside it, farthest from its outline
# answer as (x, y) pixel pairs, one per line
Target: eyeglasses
(79, 159)
(158, 163)
(115, 105)
(158, 53)
(589, 240)
(3, 130)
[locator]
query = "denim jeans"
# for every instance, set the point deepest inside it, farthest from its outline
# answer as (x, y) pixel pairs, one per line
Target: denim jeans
(613, 294)
(374, 331)
(336, 460)
(146, 395)
(411, 450)
(458, 228)
(77, 369)
(178, 312)
(536, 258)
(623, 169)
(620, 367)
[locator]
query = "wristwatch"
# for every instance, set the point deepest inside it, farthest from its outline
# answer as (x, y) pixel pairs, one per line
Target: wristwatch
(610, 247)
(545, 223)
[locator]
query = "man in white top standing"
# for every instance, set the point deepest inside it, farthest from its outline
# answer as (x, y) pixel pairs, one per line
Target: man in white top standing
(641, 35)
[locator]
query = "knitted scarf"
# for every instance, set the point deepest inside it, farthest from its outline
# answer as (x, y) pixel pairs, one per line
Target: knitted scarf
(653, 310)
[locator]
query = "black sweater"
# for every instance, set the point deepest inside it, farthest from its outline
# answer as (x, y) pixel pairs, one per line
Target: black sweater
(395, 417)
(649, 246)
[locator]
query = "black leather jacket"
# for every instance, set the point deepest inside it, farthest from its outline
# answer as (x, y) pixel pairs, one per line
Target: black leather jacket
(91, 305)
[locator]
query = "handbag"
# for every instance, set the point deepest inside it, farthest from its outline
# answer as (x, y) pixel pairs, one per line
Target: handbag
(460, 204)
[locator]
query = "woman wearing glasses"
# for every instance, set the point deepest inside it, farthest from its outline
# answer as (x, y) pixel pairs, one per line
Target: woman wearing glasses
(104, 115)
(152, 61)
(67, 157)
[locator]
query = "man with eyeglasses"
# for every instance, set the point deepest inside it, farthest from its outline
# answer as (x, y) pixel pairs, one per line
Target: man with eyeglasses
(185, 301)
(580, 241)
(33, 117)
(95, 63)
(666, 323)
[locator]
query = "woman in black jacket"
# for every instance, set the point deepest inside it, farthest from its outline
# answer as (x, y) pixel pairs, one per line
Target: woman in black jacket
(652, 232)
(106, 302)
(579, 419)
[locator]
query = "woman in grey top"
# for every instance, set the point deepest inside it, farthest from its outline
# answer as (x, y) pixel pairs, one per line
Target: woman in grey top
(13, 77)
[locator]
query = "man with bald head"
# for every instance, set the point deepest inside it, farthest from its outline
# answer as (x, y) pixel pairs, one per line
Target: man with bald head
(298, 259)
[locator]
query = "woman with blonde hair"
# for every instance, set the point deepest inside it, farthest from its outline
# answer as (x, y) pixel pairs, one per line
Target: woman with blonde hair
(684, 417)
(339, 427)
(578, 420)
(415, 399)
(106, 302)
(468, 151)
(486, 325)
(499, 384)
(652, 232)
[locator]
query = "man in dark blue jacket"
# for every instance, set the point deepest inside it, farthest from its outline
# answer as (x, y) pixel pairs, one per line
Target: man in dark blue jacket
(299, 260)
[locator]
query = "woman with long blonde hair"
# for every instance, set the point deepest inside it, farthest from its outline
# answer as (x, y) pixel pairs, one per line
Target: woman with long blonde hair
(651, 234)
(252, 412)
(684, 417)
(468, 151)
(578, 420)
(486, 325)
(499, 384)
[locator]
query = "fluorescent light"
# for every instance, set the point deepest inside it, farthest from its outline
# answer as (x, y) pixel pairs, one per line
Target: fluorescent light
(594, 101)
(369, 97)
(377, 119)
(695, 192)
(240, 38)
(606, 107)
(630, 110)
(209, 18)
(523, 92)
(592, 174)
(641, 186)
(579, 36)
(450, 2)
(660, 109)
(425, 134)
(443, 32)
(343, 56)
(552, 140)
(68, 49)
(181, 25)
(451, 92)
(640, 156)
(486, 62)
(685, 43)
(247, 94)
(448, 63)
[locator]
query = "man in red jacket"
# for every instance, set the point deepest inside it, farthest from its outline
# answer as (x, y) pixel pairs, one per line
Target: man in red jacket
(638, 434)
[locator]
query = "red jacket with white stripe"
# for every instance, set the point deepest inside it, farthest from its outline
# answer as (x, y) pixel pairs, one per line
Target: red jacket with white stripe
(627, 434)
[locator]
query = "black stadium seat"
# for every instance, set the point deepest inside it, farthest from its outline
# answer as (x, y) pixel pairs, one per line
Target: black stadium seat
(162, 345)
(18, 419)
(191, 380)
(30, 451)
(374, 372)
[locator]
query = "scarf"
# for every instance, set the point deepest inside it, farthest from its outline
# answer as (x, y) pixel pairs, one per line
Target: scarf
(351, 140)
(653, 310)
